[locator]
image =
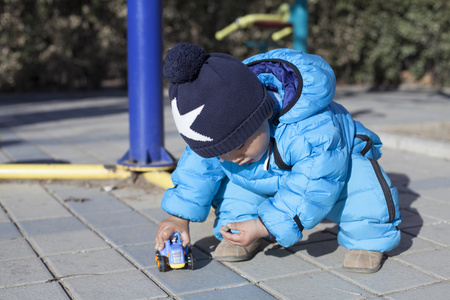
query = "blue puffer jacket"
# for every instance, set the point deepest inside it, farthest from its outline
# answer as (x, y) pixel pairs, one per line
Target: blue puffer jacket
(312, 142)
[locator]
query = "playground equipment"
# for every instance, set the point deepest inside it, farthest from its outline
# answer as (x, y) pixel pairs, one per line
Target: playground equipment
(290, 18)
(146, 153)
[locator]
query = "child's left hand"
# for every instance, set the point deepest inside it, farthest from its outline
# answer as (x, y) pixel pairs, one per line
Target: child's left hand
(249, 231)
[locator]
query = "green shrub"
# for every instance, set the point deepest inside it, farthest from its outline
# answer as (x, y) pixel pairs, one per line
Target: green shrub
(60, 44)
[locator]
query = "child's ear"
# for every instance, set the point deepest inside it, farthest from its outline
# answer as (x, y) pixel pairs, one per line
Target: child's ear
(270, 115)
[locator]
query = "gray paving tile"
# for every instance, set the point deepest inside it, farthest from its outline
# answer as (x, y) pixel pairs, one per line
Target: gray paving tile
(9, 231)
(438, 211)
(23, 271)
(209, 274)
(435, 291)
(26, 201)
(414, 219)
(89, 263)
(131, 235)
(123, 285)
(387, 279)
(412, 200)
(436, 262)
(3, 216)
(143, 255)
(51, 290)
(431, 183)
(84, 200)
(49, 226)
(67, 242)
(140, 199)
(14, 249)
(327, 254)
(248, 291)
(117, 219)
(437, 233)
(318, 234)
(21, 150)
(440, 194)
(281, 262)
(410, 244)
(156, 214)
(311, 285)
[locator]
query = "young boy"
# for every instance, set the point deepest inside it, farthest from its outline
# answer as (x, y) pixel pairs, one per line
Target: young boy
(272, 153)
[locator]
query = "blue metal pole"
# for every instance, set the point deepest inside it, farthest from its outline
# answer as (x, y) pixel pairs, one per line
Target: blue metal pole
(299, 20)
(144, 45)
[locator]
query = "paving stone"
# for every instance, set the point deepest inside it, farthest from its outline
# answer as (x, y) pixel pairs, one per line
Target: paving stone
(131, 235)
(412, 201)
(85, 200)
(438, 211)
(14, 249)
(123, 285)
(88, 263)
(435, 291)
(387, 279)
(414, 219)
(311, 285)
(431, 183)
(49, 226)
(209, 274)
(23, 271)
(437, 233)
(67, 242)
(281, 262)
(21, 150)
(156, 214)
(117, 219)
(51, 290)
(440, 194)
(317, 234)
(410, 244)
(9, 231)
(327, 254)
(247, 291)
(30, 201)
(143, 255)
(3, 216)
(140, 199)
(436, 262)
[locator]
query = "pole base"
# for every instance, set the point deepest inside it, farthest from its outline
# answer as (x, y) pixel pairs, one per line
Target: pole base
(166, 163)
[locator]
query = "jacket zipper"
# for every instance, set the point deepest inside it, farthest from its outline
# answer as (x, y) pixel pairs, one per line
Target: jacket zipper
(384, 185)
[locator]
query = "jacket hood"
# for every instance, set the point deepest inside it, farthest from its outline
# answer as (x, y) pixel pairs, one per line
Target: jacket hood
(305, 82)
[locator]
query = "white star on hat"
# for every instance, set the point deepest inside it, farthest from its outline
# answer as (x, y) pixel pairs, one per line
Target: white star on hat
(184, 122)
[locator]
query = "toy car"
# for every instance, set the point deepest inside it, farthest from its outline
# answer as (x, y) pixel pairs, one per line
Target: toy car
(174, 255)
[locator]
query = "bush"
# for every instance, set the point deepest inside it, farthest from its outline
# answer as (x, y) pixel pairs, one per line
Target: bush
(59, 44)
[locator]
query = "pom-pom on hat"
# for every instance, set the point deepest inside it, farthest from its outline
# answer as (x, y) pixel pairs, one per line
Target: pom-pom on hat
(217, 102)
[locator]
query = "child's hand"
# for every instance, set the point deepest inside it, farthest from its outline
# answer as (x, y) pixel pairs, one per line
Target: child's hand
(249, 231)
(168, 227)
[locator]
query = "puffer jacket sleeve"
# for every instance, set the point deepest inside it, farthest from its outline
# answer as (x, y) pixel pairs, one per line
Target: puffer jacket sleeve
(319, 158)
(196, 181)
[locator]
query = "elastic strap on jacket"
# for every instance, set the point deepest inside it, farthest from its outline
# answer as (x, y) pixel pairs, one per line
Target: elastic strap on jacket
(368, 141)
(299, 224)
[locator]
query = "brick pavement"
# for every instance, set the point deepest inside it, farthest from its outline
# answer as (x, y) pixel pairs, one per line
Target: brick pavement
(74, 240)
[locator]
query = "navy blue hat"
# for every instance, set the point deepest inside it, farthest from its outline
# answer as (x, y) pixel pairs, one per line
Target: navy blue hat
(217, 101)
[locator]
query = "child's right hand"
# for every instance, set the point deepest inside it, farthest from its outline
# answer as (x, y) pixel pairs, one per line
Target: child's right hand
(168, 227)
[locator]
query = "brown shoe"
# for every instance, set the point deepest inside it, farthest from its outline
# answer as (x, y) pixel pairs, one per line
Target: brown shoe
(362, 261)
(225, 252)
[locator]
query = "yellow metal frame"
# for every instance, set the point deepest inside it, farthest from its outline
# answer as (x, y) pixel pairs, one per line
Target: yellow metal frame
(81, 172)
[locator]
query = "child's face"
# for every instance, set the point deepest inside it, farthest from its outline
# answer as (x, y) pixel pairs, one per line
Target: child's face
(252, 149)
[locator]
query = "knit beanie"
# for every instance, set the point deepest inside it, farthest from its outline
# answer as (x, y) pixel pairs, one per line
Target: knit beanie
(217, 102)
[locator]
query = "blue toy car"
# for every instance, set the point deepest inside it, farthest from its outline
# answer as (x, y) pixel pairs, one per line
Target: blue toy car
(174, 255)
